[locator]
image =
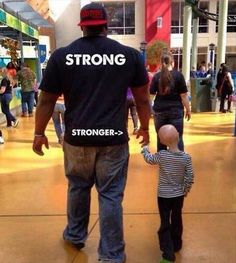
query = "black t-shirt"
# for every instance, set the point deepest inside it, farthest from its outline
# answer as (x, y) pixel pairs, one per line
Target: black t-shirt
(6, 83)
(173, 99)
(94, 73)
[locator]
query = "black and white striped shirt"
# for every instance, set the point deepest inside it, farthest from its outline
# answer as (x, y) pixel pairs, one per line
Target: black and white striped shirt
(176, 172)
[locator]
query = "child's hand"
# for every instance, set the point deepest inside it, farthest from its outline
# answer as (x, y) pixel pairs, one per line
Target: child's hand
(145, 148)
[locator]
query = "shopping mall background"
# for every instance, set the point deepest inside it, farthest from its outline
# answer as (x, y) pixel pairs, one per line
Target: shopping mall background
(132, 22)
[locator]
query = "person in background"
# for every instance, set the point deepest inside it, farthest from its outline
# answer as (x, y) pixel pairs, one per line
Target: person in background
(175, 181)
(219, 78)
(36, 93)
(12, 70)
(171, 98)
(1, 138)
(95, 143)
(58, 119)
(210, 70)
(6, 86)
(201, 73)
(210, 76)
(131, 106)
(193, 73)
(225, 87)
(27, 79)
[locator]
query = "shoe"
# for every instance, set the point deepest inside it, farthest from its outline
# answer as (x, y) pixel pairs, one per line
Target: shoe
(229, 111)
(15, 123)
(223, 111)
(1, 140)
(176, 250)
(78, 246)
(24, 114)
(31, 115)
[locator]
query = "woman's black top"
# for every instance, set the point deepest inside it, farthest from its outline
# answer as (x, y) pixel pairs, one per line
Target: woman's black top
(173, 99)
(6, 83)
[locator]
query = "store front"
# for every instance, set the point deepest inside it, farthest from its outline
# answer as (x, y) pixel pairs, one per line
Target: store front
(19, 40)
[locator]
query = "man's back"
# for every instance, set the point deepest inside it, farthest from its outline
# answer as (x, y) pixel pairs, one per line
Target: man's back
(27, 77)
(94, 74)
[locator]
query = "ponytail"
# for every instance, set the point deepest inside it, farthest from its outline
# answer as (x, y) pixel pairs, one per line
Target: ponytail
(165, 77)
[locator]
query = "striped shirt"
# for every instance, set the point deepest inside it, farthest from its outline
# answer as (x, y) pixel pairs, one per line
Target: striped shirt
(176, 172)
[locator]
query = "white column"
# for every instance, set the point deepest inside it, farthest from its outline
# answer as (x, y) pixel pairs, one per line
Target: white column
(187, 41)
(222, 32)
(194, 43)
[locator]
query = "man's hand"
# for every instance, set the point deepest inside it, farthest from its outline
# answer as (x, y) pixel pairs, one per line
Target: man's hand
(39, 141)
(145, 135)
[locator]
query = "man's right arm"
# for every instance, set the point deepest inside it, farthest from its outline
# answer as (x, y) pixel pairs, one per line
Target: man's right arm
(142, 99)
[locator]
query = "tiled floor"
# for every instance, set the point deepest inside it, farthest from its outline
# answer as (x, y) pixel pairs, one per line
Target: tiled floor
(33, 199)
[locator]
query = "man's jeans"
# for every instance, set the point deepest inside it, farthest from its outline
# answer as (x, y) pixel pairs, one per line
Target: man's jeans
(58, 120)
(27, 100)
(106, 167)
(174, 117)
(5, 106)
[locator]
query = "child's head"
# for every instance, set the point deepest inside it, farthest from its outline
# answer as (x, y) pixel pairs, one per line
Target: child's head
(168, 135)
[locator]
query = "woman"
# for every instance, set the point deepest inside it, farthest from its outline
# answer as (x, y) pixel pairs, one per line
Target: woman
(171, 99)
(225, 88)
(6, 97)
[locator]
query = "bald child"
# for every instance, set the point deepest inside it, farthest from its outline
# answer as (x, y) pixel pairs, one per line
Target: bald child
(175, 181)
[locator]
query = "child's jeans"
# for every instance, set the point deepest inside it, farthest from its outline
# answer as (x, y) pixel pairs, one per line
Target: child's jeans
(171, 229)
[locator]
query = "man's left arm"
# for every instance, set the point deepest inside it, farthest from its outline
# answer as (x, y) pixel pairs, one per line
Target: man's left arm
(43, 114)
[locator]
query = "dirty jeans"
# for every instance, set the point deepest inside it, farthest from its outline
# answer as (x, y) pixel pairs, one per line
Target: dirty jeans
(106, 167)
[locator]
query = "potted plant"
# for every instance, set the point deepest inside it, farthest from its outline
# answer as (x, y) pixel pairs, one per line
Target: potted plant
(153, 53)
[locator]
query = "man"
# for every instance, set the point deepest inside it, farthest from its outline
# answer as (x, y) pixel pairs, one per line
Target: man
(27, 79)
(93, 73)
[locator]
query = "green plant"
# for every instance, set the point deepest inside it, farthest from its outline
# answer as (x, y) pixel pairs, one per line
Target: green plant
(12, 46)
(154, 52)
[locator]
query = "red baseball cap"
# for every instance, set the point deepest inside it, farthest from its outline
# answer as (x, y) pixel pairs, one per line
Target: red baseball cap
(92, 15)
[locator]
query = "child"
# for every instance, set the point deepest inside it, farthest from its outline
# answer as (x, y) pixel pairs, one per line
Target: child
(175, 181)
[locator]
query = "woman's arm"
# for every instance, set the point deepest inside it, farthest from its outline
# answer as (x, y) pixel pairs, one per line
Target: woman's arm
(153, 85)
(185, 101)
(2, 89)
(3, 85)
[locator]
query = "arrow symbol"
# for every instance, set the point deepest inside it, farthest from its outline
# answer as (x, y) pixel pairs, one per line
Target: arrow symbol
(120, 133)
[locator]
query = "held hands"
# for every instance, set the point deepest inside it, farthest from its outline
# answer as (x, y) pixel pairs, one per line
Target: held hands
(144, 149)
(145, 134)
(39, 141)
